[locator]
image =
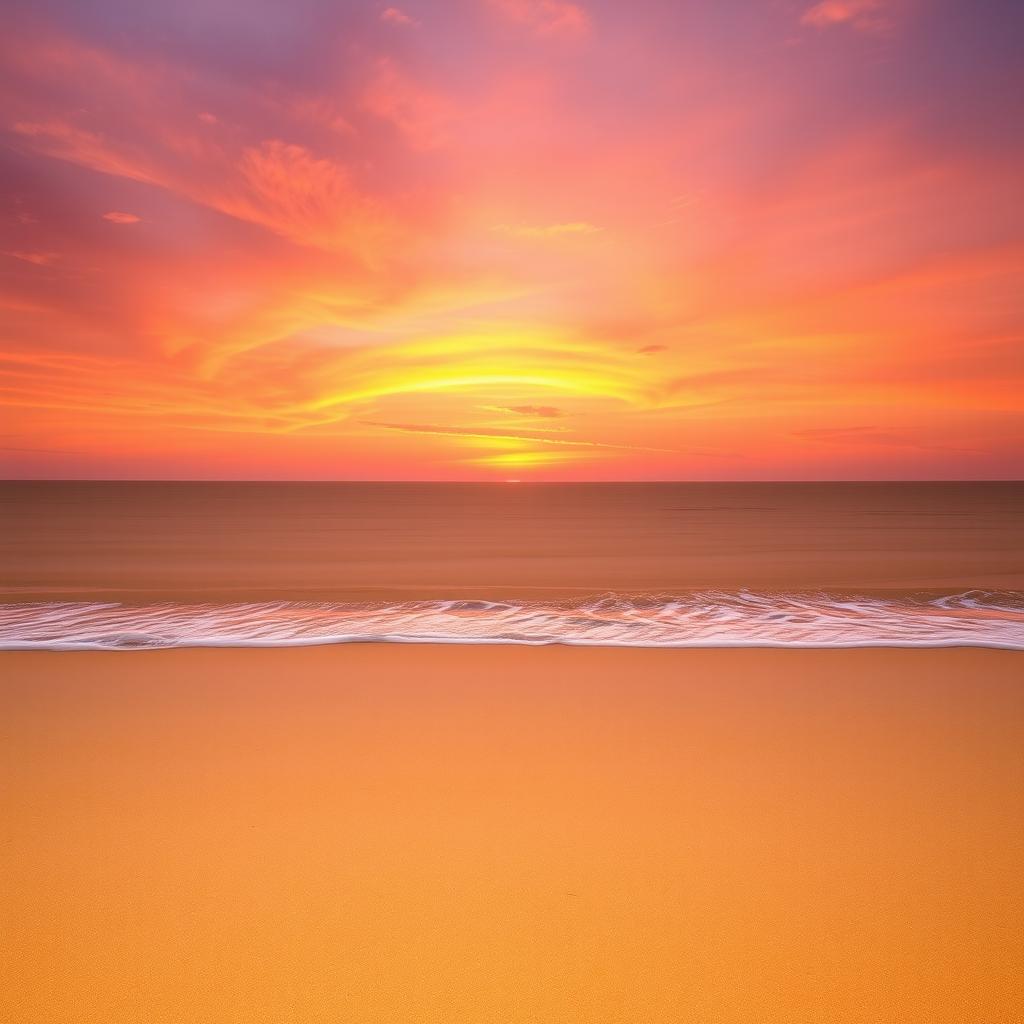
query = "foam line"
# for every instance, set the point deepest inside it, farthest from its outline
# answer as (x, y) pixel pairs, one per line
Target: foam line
(699, 619)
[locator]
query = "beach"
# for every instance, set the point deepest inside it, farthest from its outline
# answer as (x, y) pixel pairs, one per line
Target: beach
(511, 512)
(512, 835)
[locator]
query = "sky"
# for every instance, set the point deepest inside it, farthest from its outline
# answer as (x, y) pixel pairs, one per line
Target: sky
(512, 239)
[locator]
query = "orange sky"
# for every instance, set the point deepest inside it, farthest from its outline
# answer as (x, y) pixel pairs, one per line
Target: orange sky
(532, 239)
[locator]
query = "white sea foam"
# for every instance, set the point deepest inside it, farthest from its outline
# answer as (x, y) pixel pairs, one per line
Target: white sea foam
(705, 619)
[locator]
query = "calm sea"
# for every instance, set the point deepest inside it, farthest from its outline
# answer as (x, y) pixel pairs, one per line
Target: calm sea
(88, 564)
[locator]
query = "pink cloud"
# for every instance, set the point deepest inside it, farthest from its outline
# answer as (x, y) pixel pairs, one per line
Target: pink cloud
(38, 259)
(300, 195)
(393, 16)
(282, 187)
(64, 141)
(546, 17)
(862, 14)
(849, 247)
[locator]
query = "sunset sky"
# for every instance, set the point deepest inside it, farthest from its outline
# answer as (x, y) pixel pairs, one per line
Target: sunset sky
(497, 239)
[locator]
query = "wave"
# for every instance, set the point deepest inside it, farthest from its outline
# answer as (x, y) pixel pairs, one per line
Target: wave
(701, 619)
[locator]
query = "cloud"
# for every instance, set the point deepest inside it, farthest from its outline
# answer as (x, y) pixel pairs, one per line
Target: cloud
(500, 435)
(116, 217)
(39, 259)
(867, 15)
(393, 16)
(546, 17)
(576, 227)
(316, 192)
(307, 198)
(544, 411)
(61, 140)
(329, 184)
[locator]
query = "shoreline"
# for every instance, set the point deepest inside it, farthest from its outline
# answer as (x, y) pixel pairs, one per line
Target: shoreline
(1011, 581)
(697, 620)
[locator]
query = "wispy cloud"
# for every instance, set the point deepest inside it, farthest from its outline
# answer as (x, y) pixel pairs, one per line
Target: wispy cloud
(117, 217)
(867, 15)
(393, 16)
(284, 187)
(39, 259)
(500, 435)
(546, 17)
(544, 411)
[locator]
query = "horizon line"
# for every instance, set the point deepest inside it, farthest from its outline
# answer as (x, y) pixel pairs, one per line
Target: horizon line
(559, 483)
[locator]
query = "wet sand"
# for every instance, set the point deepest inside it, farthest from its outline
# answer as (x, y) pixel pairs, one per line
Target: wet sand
(512, 836)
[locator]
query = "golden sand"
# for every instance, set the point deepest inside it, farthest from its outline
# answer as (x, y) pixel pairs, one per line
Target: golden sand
(410, 835)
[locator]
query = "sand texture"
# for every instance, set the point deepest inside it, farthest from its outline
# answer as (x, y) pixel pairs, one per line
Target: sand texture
(512, 836)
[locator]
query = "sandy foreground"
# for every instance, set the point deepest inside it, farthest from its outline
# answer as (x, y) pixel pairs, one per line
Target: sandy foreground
(497, 835)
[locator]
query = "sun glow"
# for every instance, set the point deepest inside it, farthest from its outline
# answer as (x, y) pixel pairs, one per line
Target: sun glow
(399, 384)
(526, 459)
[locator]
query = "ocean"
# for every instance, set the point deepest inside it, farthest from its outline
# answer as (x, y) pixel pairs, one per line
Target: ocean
(123, 565)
